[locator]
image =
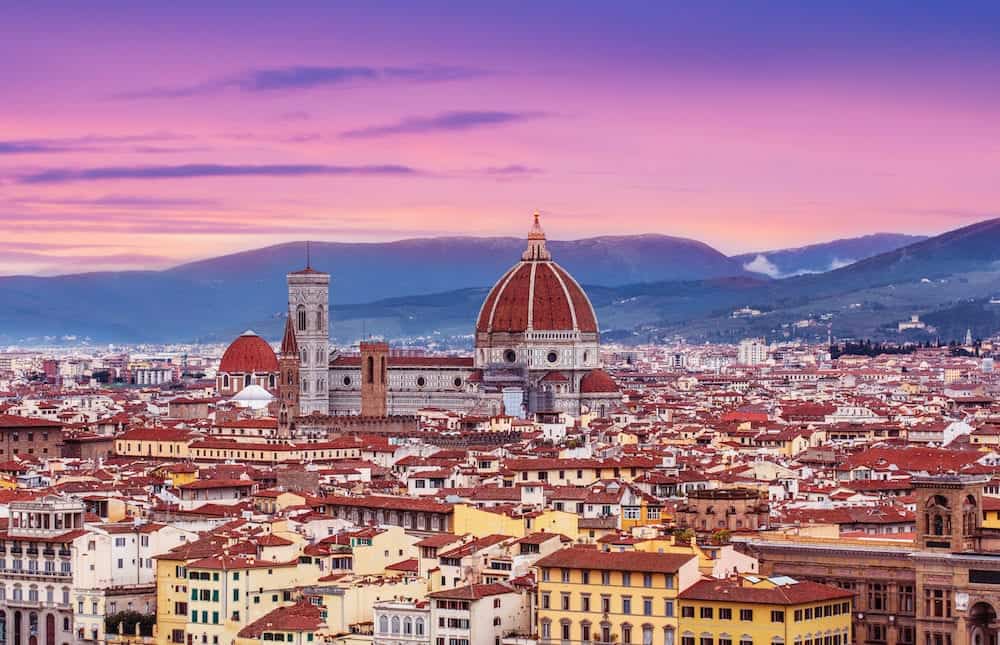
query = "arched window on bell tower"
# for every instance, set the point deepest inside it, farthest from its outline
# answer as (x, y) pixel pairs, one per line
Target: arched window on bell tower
(300, 313)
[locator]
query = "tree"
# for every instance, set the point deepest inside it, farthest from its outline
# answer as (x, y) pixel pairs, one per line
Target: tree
(721, 537)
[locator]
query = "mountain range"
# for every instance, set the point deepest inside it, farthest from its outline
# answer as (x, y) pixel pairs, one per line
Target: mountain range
(641, 286)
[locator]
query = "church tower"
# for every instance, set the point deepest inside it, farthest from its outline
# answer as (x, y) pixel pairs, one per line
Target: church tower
(949, 511)
(308, 307)
(374, 391)
(288, 381)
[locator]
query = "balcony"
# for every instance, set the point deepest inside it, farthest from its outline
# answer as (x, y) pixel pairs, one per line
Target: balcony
(48, 551)
(65, 553)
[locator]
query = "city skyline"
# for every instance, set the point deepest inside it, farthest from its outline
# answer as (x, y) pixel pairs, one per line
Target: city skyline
(144, 137)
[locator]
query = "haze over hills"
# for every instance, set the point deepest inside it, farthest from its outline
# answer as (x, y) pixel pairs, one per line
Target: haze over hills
(640, 285)
(827, 256)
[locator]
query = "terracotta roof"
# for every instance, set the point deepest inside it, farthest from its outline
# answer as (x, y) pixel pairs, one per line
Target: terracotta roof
(13, 421)
(472, 592)
(791, 594)
(303, 616)
(598, 381)
(249, 353)
(584, 558)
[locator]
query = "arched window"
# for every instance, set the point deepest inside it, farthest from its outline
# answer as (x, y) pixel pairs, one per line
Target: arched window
(270, 380)
(408, 626)
(300, 313)
(383, 624)
(395, 624)
(225, 380)
(370, 375)
(420, 627)
(319, 318)
(305, 357)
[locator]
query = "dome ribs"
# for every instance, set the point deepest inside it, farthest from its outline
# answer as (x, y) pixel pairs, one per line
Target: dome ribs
(585, 319)
(551, 310)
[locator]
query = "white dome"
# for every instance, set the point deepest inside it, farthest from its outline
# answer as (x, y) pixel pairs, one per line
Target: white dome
(253, 396)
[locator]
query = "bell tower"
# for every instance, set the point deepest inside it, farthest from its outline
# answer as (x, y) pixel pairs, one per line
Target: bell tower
(308, 307)
(949, 511)
(288, 381)
(374, 373)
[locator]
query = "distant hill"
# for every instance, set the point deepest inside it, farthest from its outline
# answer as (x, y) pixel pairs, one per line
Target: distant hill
(947, 278)
(643, 287)
(819, 258)
(217, 298)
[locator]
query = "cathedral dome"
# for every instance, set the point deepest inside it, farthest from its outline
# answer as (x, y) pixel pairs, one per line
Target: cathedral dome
(249, 353)
(598, 382)
(536, 294)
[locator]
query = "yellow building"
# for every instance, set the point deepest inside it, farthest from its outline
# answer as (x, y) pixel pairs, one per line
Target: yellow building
(764, 611)
(211, 596)
(587, 595)
(161, 443)
(482, 522)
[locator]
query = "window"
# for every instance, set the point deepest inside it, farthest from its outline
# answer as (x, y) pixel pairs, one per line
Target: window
(647, 606)
(906, 598)
(585, 602)
(301, 314)
(626, 604)
(725, 613)
(797, 616)
(605, 604)
(626, 579)
(564, 602)
(668, 608)
(669, 578)
(687, 611)
(647, 580)
(565, 575)
(877, 596)
(626, 634)
(937, 603)
(605, 578)
(546, 602)
(706, 612)
(746, 615)
(777, 616)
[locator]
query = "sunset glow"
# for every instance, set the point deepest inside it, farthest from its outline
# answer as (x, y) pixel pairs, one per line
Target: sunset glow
(141, 136)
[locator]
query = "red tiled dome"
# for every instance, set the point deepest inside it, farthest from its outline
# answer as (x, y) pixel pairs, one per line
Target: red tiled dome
(249, 353)
(536, 295)
(597, 381)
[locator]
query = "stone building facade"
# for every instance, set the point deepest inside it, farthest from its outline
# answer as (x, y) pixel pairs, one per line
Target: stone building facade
(941, 589)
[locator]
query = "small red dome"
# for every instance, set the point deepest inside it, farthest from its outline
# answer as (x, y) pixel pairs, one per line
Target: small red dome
(249, 353)
(536, 295)
(598, 381)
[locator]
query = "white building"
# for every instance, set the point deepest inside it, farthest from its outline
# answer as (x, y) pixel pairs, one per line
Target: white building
(752, 351)
(402, 622)
(478, 614)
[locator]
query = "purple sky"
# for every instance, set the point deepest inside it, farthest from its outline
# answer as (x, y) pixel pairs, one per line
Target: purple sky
(141, 136)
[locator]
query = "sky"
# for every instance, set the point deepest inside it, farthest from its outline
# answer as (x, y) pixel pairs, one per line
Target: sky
(142, 135)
